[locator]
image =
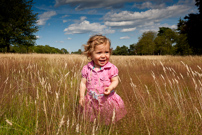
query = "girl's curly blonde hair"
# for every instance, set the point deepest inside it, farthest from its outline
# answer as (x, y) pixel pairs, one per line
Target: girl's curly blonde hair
(93, 42)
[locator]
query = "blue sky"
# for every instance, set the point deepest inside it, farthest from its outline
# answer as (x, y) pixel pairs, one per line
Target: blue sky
(69, 23)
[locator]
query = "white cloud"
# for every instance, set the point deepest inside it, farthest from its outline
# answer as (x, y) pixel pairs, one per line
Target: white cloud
(155, 27)
(121, 23)
(65, 16)
(127, 20)
(85, 26)
(128, 30)
(69, 38)
(44, 17)
(149, 5)
(59, 41)
(92, 12)
(125, 37)
(82, 18)
(152, 14)
(173, 27)
(64, 21)
(38, 37)
(90, 4)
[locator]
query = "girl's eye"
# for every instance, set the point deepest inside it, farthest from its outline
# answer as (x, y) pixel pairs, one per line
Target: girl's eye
(106, 52)
(98, 52)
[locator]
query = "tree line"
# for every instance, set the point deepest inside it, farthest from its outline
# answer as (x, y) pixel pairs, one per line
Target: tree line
(166, 42)
(39, 49)
(36, 49)
(18, 28)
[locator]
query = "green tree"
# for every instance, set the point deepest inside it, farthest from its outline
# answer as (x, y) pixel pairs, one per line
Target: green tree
(181, 26)
(77, 52)
(116, 51)
(162, 31)
(39, 49)
(18, 49)
(46, 49)
(192, 27)
(182, 47)
(160, 47)
(121, 50)
(145, 44)
(17, 23)
(64, 51)
(132, 50)
(165, 41)
(124, 50)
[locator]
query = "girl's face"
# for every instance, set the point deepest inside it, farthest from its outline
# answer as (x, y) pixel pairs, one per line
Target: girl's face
(101, 55)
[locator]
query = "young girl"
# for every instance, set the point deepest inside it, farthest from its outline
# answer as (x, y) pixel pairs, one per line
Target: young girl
(100, 78)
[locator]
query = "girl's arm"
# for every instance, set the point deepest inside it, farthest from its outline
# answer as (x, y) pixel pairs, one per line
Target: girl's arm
(113, 85)
(82, 91)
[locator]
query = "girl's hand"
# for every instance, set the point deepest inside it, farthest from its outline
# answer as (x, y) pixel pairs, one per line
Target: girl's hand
(107, 90)
(112, 86)
(81, 102)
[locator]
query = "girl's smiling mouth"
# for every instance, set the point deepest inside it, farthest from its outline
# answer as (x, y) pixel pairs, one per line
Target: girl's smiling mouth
(102, 61)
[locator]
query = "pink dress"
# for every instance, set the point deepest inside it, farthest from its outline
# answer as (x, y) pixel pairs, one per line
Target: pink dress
(98, 106)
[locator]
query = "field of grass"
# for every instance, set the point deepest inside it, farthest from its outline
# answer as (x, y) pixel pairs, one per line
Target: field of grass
(39, 95)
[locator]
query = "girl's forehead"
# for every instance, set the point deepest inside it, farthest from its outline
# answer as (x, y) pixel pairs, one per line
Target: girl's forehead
(101, 47)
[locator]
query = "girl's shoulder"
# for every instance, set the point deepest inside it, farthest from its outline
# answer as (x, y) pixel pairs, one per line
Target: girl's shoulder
(84, 71)
(111, 69)
(87, 68)
(89, 65)
(110, 66)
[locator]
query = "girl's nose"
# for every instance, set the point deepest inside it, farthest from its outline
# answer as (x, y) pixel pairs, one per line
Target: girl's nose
(103, 55)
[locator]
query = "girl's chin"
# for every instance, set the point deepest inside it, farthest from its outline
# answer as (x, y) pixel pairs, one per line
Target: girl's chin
(102, 62)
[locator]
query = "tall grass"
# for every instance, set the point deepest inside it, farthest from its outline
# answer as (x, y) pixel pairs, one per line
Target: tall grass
(39, 95)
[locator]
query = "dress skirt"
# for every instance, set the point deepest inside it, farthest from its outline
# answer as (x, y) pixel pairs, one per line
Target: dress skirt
(105, 109)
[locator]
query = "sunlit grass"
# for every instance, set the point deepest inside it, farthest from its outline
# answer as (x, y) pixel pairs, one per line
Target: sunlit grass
(39, 95)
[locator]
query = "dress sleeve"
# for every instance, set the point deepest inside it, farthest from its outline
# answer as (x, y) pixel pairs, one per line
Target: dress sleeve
(84, 71)
(113, 71)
